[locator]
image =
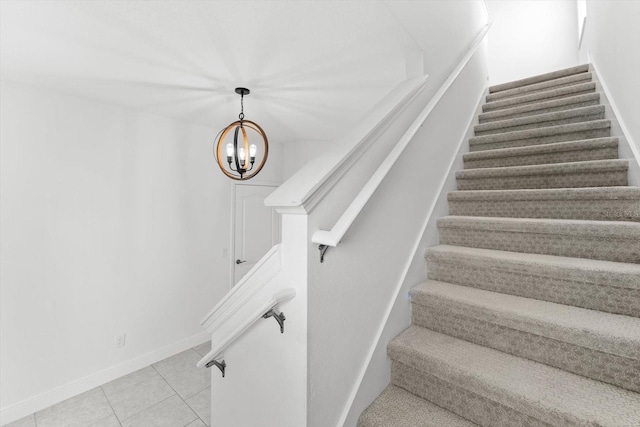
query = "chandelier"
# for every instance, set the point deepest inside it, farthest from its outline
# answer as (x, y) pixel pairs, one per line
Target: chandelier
(244, 158)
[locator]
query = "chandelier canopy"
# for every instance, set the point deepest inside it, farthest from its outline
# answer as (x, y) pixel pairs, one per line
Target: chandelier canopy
(244, 156)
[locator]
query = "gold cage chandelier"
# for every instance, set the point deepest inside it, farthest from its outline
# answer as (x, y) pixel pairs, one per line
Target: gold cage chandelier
(244, 158)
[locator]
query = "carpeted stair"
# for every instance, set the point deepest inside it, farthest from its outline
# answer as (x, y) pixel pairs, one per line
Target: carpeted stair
(531, 312)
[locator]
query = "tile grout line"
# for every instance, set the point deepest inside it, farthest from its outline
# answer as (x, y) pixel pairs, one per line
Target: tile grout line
(110, 405)
(178, 394)
(152, 406)
(197, 392)
(142, 410)
(165, 380)
(175, 391)
(184, 400)
(199, 417)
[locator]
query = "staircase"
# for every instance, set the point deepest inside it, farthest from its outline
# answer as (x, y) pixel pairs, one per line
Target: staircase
(531, 312)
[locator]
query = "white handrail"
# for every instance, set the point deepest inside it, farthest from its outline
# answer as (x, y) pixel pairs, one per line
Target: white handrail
(258, 276)
(402, 278)
(218, 348)
(309, 185)
(334, 236)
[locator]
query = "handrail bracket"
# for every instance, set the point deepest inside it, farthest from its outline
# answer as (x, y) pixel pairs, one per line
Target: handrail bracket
(279, 318)
(322, 249)
(220, 365)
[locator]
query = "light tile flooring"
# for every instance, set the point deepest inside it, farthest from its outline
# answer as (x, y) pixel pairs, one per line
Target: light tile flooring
(170, 393)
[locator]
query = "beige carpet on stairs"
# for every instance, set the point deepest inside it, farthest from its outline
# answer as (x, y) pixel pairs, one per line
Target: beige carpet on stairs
(531, 314)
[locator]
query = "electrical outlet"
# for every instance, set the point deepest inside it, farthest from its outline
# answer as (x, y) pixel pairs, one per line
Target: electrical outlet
(121, 340)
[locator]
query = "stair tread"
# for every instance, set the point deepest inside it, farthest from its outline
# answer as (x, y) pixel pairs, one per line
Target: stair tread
(546, 169)
(583, 68)
(541, 300)
(584, 193)
(396, 407)
(557, 147)
(626, 274)
(540, 132)
(552, 93)
(542, 105)
(561, 81)
(540, 118)
(540, 391)
(610, 333)
(573, 227)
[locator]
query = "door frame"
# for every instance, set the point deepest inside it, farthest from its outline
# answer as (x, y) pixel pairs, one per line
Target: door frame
(232, 233)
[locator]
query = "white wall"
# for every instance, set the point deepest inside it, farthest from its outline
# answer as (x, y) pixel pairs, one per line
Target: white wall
(397, 213)
(612, 43)
(297, 154)
(442, 29)
(113, 221)
(531, 37)
(350, 291)
(265, 382)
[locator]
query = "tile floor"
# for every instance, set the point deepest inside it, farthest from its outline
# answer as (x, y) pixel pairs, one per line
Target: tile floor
(170, 393)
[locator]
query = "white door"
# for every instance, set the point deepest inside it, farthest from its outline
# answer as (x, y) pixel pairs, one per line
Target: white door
(256, 229)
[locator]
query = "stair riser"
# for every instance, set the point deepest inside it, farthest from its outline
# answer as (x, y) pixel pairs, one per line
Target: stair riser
(578, 119)
(561, 137)
(494, 382)
(580, 69)
(578, 290)
(536, 98)
(568, 245)
(599, 210)
(461, 321)
(397, 407)
(458, 400)
(604, 153)
(575, 180)
(540, 87)
(533, 110)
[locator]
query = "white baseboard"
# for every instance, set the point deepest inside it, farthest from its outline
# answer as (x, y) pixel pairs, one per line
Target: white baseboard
(626, 145)
(447, 184)
(44, 400)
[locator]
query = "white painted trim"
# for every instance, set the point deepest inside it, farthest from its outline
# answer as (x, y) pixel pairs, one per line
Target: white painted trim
(259, 275)
(232, 221)
(616, 113)
(581, 38)
(81, 385)
(334, 236)
(306, 188)
(486, 9)
(256, 314)
(232, 237)
(405, 271)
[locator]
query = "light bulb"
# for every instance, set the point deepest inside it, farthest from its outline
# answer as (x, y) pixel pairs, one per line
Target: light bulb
(229, 150)
(242, 155)
(252, 151)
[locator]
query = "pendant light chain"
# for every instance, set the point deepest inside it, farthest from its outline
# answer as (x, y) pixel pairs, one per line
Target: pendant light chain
(241, 115)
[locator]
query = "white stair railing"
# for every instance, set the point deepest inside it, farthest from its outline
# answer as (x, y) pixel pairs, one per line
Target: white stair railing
(331, 238)
(262, 310)
(282, 274)
(264, 286)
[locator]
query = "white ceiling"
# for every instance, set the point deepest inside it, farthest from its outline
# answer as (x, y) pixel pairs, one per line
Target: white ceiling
(313, 67)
